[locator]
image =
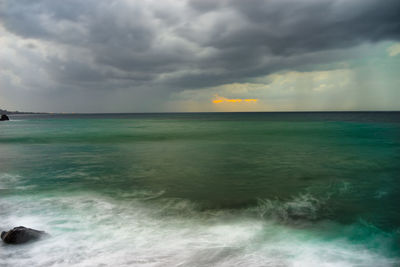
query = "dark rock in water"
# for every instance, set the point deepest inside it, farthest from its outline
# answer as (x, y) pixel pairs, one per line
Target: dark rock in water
(4, 117)
(20, 235)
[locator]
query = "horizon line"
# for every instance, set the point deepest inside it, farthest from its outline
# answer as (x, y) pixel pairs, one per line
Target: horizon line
(186, 112)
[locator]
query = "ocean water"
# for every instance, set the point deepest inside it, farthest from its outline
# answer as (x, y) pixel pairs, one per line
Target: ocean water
(205, 189)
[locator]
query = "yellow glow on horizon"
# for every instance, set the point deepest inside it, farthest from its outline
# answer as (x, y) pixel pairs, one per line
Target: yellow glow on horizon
(221, 99)
(233, 100)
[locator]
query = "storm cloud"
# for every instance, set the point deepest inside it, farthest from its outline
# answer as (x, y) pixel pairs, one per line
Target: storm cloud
(175, 45)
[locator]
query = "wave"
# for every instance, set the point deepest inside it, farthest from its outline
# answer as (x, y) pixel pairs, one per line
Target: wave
(12, 182)
(94, 230)
(303, 207)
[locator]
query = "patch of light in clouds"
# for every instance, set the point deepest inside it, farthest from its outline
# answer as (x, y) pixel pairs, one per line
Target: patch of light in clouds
(394, 50)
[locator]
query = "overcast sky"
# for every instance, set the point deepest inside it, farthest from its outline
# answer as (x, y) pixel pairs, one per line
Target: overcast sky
(180, 55)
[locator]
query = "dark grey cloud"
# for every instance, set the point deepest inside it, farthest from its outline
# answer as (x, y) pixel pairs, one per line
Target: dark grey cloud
(288, 26)
(177, 45)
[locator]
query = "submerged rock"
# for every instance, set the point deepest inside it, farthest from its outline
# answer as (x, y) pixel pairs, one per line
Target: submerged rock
(4, 117)
(21, 234)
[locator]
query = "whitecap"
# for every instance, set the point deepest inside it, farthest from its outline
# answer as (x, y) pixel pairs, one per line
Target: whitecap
(94, 230)
(8, 181)
(304, 207)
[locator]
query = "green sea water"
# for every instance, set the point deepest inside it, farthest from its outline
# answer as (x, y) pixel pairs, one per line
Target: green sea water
(203, 189)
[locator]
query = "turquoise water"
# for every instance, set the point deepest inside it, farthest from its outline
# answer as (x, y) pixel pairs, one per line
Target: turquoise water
(217, 189)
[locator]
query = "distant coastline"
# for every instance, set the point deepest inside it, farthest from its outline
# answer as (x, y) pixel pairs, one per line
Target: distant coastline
(7, 112)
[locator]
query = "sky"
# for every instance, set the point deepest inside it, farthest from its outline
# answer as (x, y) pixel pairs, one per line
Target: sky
(199, 55)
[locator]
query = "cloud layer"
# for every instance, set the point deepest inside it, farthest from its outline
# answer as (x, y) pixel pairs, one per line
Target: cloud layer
(150, 48)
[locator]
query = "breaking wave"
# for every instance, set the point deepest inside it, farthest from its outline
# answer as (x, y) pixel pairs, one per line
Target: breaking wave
(303, 207)
(93, 230)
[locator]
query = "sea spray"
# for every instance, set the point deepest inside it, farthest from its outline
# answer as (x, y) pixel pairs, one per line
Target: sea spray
(89, 228)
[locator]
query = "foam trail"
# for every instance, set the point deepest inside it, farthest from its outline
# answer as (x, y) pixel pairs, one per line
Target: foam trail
(93, 230)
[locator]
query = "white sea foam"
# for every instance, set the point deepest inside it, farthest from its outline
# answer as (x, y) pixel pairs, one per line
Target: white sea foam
(8, 180)
(303, 207)
(13, 181)
(92, 230)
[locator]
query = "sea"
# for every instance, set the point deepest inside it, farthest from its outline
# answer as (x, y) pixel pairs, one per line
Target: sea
(202, 189)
